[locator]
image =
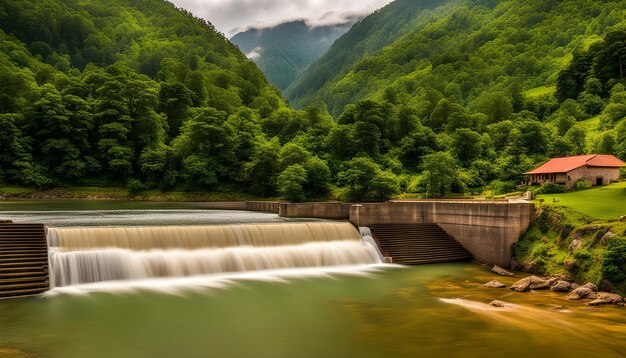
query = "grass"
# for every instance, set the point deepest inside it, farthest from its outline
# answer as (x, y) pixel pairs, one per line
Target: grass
(540, 91)
(119, 193)
(603, 203)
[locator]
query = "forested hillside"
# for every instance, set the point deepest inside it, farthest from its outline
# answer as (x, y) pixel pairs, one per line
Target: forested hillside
(124, 91)
(365, 38)
(464, 49)
(430, 97)
(283, 51)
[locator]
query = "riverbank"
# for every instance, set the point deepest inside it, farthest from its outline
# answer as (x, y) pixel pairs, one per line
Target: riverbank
(567, 242)
(119, 193)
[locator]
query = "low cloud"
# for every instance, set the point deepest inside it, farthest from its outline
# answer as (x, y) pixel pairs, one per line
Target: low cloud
(232, 16)
(255, 53)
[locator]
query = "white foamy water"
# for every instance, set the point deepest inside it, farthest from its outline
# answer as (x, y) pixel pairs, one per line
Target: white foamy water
(77, 267)
(180, 285)
(134, 255)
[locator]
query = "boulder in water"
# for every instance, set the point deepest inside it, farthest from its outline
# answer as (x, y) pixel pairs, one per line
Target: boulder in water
(494, 284)
(496, 303)
(530, 283)
(500, 271)
(579, 293)
(591, 286)
(561, 286)
(605, 298)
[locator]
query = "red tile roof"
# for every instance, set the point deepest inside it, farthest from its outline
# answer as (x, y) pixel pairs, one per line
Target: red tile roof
(566, 164)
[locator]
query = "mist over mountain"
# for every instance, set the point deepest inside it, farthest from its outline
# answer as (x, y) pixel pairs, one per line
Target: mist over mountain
(283, 51)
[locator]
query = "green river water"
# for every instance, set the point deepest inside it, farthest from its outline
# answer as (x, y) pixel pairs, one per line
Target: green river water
(397, 312)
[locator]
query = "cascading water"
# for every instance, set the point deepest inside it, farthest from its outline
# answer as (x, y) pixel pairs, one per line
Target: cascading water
(87, 255)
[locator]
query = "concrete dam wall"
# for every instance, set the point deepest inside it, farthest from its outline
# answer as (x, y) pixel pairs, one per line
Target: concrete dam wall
(487, 229)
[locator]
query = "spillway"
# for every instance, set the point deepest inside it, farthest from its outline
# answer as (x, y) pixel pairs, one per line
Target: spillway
(87, 255)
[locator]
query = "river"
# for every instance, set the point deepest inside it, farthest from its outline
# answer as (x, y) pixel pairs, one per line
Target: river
(361, 310)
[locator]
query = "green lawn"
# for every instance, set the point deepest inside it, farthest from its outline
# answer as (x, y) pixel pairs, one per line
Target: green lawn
(540, 91)
(604, 203)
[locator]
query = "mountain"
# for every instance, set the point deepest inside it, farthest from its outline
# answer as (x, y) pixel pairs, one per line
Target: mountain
(283, 51)
(465, 49)
(365, 38)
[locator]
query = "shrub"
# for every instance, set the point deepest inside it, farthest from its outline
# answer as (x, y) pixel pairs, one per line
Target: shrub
(135, 186)
(502, 187)
(291, 181)
(622, 173)
(582, 184)
(550, 188)
(614, 260)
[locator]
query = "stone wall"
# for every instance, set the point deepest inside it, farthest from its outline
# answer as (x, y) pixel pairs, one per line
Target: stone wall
(590, 174)
(223, 205)
(332, 210)
(488, 229)
(263, 206)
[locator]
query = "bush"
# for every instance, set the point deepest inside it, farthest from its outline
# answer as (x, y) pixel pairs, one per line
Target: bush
(622, 173)
(291, 181)
(551, 188)
(135, 186)
(614, 260)
(502, 187)
(582, 184)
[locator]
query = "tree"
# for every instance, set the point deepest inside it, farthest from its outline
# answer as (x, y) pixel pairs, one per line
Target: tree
(440, 170)
(263, 168)
(384, 185)
(291, 154)
(175, 99)
(610, 58)
(578, 138)
(291, 183)
(466, 145)
(414, 147)
(357, 176)
(318, 177)
(497, 106)
(606, 145)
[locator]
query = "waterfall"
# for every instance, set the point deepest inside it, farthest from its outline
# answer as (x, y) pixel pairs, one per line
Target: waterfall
(87, 255)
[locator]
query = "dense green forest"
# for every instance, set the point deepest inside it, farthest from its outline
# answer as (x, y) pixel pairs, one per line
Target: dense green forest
(284, 50)
(429, 97)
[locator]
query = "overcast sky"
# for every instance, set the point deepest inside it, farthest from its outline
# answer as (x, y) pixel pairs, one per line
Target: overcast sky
(232, 16)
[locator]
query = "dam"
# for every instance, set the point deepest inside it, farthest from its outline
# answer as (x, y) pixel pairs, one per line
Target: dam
(34, 258)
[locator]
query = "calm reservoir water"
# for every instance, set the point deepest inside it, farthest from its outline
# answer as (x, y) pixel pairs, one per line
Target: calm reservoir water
(358, 310)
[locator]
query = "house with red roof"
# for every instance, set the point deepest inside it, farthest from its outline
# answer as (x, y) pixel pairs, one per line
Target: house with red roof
(597, 169)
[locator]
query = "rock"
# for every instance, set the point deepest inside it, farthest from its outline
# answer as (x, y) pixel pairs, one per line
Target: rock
(569, 264)
(497, 303)
(622, 219)
(561, 286)
(591, 286)
(592, 295)
(574, 285)
(494, 284)
(530, 283)
(575, 245)
(533, 266)
(538, 283)
(521, 285)
(606, 237)
(597, 302)
(610, 297)
(579, 293)
(500, 271)
(556, 278)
